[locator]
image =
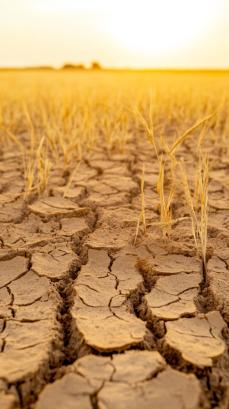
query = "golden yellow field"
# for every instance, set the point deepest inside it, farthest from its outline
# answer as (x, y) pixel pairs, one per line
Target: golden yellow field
(114, 213)
(76, 111)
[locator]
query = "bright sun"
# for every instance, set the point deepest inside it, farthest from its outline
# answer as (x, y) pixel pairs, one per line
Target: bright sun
(159, 26)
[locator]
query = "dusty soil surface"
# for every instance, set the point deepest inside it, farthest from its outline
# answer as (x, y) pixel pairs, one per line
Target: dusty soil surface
(90, 321)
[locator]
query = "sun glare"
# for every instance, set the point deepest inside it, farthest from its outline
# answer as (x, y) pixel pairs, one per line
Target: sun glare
(150, 26)
(118, 33)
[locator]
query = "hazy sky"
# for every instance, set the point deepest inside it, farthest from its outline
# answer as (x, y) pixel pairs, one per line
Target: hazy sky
(140, 33)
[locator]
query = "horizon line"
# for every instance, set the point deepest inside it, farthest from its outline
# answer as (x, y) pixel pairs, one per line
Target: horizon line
(82, 68)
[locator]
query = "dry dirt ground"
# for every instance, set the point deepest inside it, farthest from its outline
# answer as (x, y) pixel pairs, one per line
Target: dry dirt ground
(90, 321)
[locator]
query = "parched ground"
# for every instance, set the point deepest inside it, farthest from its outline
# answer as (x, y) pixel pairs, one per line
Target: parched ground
(90, 321)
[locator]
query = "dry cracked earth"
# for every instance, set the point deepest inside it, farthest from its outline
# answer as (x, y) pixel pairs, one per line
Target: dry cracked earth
(90, 321)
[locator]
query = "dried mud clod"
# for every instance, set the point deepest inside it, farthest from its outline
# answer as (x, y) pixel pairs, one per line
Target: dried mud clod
(105, 381)
(190, 335)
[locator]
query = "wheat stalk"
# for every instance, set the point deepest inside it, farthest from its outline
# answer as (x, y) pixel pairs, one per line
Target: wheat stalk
(141, 218)
(198, 205)
(182, 138)
(165, 202)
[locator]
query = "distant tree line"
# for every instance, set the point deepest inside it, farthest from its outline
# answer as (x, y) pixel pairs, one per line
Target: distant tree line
(95, 65)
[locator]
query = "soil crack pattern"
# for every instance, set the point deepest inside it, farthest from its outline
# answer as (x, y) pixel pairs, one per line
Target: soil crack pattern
(90, 321)
(140, 376)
